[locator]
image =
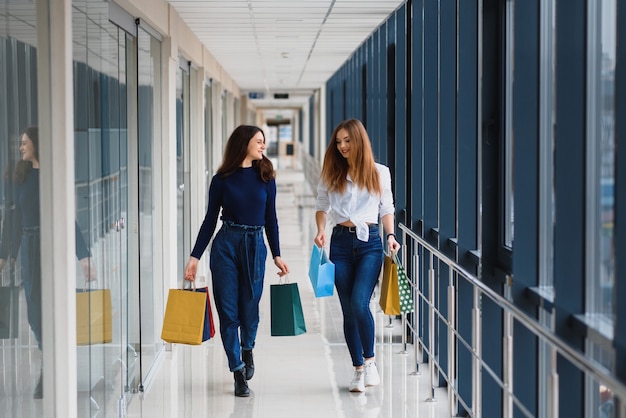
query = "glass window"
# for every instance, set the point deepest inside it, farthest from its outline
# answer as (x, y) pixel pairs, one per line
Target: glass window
(508, 192)
(601, 158)
(547, 67)
(20, 250)
(547, 111)
(600, 189)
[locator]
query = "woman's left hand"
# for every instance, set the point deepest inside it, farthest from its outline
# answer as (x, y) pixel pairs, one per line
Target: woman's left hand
(284, 268)
(89, 272)
(392, 244)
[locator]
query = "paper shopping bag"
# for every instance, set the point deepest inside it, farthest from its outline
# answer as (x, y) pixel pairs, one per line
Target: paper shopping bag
(94, 322)
(286, 310)
(208, 331)
(404, 288)
(389, 295)
(9, 309)
(321, 273)
(184, 317)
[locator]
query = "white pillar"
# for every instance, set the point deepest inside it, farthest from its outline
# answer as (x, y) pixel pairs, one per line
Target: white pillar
(56, 150)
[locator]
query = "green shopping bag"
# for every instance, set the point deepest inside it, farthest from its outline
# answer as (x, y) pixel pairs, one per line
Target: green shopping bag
(286, 310)
(404, 288)
(9, 311)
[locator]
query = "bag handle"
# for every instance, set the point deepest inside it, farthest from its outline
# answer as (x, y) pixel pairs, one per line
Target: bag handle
(396, 259)
(87, 285)
(321, 251)
(192, 285)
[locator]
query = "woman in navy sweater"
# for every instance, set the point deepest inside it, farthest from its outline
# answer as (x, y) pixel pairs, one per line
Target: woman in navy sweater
(21, 230)
(244, 188)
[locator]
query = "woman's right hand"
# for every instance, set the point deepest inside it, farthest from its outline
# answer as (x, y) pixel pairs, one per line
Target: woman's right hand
(191, 269)
(320, 239)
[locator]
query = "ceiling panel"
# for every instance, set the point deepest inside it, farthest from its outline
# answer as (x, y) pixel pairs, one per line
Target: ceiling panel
(289, 46)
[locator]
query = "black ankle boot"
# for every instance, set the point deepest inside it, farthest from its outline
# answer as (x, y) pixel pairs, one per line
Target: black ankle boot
(38, 393)
(247, 358)
(241, 386)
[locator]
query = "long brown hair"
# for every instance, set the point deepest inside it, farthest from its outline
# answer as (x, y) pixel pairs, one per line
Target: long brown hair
(23, 167)
(237, 149)
(361, 159)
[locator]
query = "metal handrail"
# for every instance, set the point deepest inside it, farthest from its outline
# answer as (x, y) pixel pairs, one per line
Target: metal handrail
(586, 364)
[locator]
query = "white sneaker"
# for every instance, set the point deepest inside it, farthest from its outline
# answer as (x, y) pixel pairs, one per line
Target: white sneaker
(372, 378)
(358, 381)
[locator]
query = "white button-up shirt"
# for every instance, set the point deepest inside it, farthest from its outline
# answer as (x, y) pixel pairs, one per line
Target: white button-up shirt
(356, 204)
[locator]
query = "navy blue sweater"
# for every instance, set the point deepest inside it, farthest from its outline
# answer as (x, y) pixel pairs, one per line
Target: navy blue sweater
(24, 213)
(244, 199)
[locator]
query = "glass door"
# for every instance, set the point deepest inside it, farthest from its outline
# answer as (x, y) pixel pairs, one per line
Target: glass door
(145, 319)
(182, 138)
(101, 88)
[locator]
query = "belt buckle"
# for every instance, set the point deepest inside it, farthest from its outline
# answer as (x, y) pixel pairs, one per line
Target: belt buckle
(352, 229)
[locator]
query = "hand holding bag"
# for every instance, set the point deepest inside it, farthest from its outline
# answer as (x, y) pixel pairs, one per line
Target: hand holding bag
(321, 273)
(184, 316)
(9, 307)
(389, 295)
(286, 310)
(94, 318)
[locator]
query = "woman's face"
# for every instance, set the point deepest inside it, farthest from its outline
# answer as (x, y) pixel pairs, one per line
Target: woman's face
(256, 146)
(27, 149)
(343, 142)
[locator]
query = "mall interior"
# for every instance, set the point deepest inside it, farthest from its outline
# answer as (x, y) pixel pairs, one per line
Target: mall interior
(499, 121)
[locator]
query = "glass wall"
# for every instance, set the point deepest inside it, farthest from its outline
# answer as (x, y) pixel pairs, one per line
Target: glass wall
(117, 88)
(601, 153)
(150, 285)
(100, 55)
(182, 135)
(20, 252)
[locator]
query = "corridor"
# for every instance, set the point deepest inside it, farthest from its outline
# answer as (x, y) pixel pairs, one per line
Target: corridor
(302, 376)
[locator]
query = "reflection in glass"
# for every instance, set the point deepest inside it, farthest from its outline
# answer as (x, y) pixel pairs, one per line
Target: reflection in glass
(606, 152)
(601, 157)
(101, 183)
(20, 249)
(151, 290)
(601, 153)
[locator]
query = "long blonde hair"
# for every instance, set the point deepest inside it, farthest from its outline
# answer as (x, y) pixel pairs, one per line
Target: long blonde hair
(361, 159)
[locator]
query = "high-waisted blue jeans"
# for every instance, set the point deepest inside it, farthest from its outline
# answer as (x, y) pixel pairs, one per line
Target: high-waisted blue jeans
(357, 267)
(237, 264)
(31, 278)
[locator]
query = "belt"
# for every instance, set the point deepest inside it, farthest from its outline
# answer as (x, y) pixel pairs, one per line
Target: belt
(352, 229)
(242, 228)
(30, 230)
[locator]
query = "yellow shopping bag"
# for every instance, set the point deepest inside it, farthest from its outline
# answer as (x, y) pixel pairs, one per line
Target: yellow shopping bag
(94, 323)
(389, 295)
(184, 317)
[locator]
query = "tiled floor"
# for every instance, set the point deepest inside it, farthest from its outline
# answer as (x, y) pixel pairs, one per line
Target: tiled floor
(302, 376)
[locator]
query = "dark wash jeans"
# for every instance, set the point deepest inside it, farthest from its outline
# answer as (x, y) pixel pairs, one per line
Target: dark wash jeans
(237, 264)
(357, 267)
(31, 278)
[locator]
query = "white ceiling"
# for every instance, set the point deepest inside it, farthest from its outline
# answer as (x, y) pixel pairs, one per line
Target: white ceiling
(282, 46)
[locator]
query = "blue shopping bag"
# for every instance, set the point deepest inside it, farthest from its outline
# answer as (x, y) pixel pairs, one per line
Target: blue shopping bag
(321, 273)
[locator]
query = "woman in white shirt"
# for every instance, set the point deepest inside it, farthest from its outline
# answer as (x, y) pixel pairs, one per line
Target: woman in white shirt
(356, 192)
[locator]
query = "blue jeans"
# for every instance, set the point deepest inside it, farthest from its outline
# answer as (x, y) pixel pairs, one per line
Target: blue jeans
(237, 263)
(357, 267)
(31, 278)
